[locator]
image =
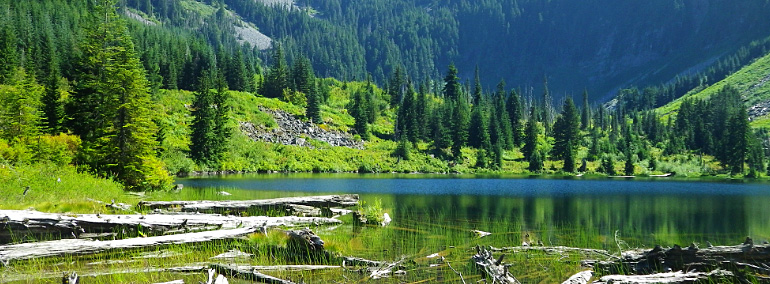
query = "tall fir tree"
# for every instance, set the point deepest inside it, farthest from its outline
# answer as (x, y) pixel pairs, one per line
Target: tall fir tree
(461, 117)
(110, 108)
(585, 116)
(477, 91)
(530, 136)
(739, 132)
(202, 149)
(514, 107)
(52, 104)
(20, 113)
(452, 86)
(566, 134)
(277, 79)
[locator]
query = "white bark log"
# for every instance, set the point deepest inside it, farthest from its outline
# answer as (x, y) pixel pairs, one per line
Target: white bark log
(666, 278)
(20, 223)
(347, 200)
(580, 278)
(17, 252)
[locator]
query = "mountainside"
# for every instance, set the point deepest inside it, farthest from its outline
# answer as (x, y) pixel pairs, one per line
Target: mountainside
(752, 83)
(600, 45)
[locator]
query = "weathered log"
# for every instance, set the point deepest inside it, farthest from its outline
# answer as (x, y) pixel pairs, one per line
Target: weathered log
(82, 247)
(749, 256)
(385, 270)
(70, 279)
(716, 276)
(553, 250)
(580, 277)
(173, 282)
(248, 273)
(305, 240)
(236, 206)
(355, 261)
(20, 224)
(493, 268)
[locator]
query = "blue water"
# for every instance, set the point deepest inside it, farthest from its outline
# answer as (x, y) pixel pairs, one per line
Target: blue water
(468, 185)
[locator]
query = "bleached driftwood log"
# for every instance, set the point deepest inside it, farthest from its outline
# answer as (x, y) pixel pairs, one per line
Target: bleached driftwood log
(493, 268)
(747, 256)
(580, 277)
(247, 273)
(19, 224)
(717, 276)
(553, 250)
(17, 252)
(235, 206)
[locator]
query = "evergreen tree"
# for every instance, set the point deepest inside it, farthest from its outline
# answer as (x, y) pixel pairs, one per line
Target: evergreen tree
(277, 79)
(607, 165)
(406, 121)
(566, 134)
(52, 105)
(530, 137)
(313, 111)
(461, 118)
(302, 73)
(629, 166)
(8, 48)
(585, 117)
(514, 107)
(476, 86)
(110, 108)
(396, 86)
(358, 110)
(478, 128)
(20, 107)
(535, 162)
(755, 156)
(221, 119)
(202, 134)
(452, 87)
(739, 131)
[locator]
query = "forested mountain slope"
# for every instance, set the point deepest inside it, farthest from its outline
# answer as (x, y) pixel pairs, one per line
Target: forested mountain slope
(598, 45)
(752, 83)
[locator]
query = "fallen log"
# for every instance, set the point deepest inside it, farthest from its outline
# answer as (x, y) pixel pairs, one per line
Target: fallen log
(553, 250)
(247, 273)
(25, 251)
(237, 206)
(717, 276)
(173, 282)
(580, 278)
(746, 256)
(493, 268)
(21, 224)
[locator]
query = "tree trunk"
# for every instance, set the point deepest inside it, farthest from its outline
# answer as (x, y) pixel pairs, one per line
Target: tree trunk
(20, 224)
(236, 206)
(17, 252)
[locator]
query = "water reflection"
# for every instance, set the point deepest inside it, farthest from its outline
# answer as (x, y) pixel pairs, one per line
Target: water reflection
(559, 211)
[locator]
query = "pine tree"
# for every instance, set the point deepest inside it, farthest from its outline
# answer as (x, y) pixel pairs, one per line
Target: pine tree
(607, 165)
(530, 137)
(396, 86)
(52, 105)
(277, 78)
(20, 107)
(535, 162)
(585, 117)
(452, 87)
(739, 131)
(302, 73)
(8, 55)
(358, 111)
(221, 119)
(313, 111)
(514, 107)
(566, 135)
(478, 128)
(629, 166)
(461, 120)
(110, 108)
(476, 86)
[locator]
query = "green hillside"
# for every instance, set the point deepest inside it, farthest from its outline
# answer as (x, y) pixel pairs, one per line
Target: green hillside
(750, 81)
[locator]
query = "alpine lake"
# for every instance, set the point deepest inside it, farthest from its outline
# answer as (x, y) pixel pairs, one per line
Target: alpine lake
(434, 216)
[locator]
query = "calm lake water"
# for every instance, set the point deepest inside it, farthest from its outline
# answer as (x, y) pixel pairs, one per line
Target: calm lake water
(583, 212)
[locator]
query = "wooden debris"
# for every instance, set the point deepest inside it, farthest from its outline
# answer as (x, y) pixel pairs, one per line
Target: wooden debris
(305, 240)
(580, 278)
(82, 247)
(70, 279)
(247, 273)
(481, 234)
(385, 270)
(233, 254)
(553, 250)
(747, 255)
(173, 282)
(235, 206)
(492, 268)
(716, 276)
(355, 261)
(19, 224)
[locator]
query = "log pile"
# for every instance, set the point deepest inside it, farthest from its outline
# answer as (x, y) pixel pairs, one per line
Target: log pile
(22, 224)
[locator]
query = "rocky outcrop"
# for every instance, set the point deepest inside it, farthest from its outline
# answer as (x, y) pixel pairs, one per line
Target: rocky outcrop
(292, 131)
